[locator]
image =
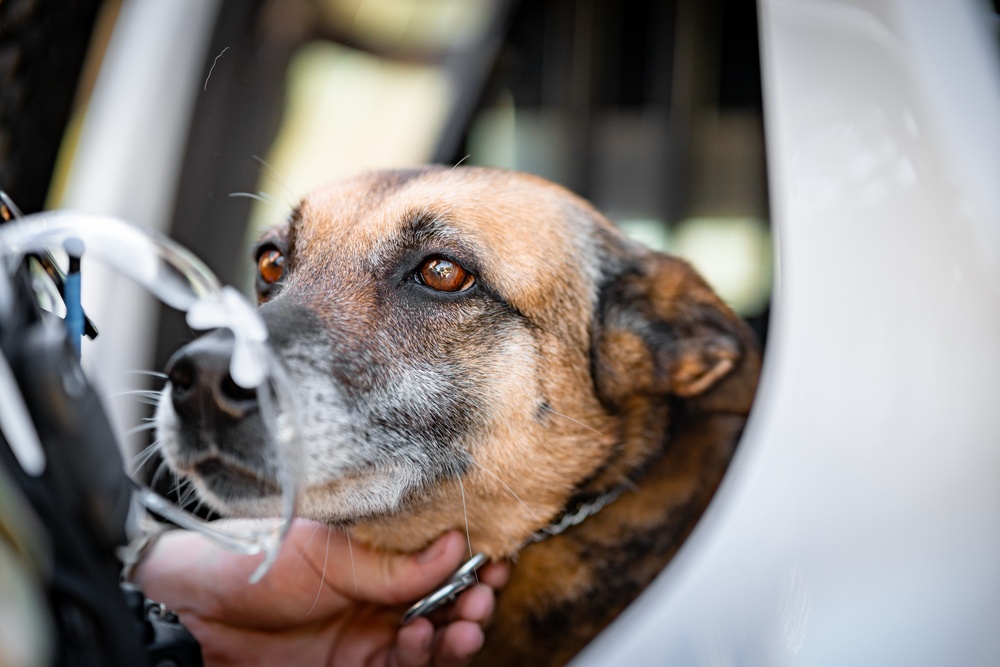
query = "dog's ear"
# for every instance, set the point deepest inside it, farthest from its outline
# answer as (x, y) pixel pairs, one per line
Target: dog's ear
(660, 329)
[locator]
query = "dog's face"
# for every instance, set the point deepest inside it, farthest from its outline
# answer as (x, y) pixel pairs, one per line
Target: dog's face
(469, 349)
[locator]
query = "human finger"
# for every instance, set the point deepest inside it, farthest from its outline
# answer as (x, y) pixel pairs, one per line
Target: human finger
(495, 575)
(457, 643)
(475, 604)
(391, 579)
(414, 643)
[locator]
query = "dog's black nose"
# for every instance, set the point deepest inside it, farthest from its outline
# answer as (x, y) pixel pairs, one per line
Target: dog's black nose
(200, 380)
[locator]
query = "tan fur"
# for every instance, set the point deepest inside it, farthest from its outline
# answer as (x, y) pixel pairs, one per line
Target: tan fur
(535, 264)
(622, 370)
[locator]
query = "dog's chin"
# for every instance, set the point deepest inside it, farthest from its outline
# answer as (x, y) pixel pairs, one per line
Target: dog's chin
(355, 497)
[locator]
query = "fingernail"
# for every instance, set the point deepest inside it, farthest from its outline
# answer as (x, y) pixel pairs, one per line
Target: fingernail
(434, 551)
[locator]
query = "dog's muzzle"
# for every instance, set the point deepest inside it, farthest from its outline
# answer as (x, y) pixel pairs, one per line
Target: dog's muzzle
(218, 434)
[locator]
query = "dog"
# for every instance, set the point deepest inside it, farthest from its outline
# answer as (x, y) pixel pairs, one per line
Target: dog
(481, 350)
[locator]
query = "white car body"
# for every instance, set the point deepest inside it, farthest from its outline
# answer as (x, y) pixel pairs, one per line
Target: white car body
(860, 521)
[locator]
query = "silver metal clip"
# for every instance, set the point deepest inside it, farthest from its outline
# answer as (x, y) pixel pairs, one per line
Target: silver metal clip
(464, 578)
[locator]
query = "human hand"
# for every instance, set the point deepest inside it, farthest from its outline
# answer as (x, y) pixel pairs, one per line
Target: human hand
(321, 603)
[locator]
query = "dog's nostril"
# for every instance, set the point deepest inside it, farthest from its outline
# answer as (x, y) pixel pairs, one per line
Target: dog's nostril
(182, 374)
(235, 392)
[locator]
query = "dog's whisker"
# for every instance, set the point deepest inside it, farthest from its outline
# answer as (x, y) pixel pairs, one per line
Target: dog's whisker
(465, 511)
(504, 485)
(143, 459)
(575, 421)
(312, 535)
(149, 397)
(272, 173)
(460, 162)
(156, 474)
(189, 493)
(181, 485)
(322, 581)
(175, 488)
(142, 393)
(139, 428)
(350, 551)
(256, 197)
(145, 456)
(305, 547)
(200, 505)
(155, 374)
(271, 198)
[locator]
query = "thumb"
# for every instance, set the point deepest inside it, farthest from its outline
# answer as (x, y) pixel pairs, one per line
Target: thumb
(391, 579)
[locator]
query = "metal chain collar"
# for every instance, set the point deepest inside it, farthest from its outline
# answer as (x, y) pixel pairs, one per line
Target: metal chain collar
(569, 519)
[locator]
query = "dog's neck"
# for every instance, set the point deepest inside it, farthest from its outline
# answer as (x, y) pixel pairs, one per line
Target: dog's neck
(578, 581)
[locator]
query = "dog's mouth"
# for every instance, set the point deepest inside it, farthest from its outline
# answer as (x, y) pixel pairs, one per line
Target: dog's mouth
(232, 481)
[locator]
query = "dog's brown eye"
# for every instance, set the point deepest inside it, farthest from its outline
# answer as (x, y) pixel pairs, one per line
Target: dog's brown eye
(271, 265)
(445, 276)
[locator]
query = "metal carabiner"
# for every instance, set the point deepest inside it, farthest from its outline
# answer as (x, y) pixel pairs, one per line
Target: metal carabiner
(464, 578)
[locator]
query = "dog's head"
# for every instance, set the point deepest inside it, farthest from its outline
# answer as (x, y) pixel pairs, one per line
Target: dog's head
(470, 348)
